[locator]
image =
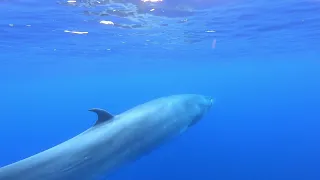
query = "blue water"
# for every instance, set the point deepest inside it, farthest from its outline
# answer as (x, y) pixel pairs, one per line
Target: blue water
(263, 71)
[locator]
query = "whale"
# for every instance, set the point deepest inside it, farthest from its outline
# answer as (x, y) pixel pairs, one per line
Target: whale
(113, 140)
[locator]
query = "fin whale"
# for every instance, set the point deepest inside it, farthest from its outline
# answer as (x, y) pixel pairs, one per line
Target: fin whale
(113, 140)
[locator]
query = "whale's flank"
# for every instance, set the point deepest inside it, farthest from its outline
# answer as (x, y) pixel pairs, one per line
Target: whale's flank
(113, 141)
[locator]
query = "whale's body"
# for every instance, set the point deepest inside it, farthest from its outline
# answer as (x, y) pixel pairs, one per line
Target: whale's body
(112, 141)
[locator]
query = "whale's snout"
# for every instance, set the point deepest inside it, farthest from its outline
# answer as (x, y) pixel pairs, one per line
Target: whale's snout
(202, 105)
(210, 101)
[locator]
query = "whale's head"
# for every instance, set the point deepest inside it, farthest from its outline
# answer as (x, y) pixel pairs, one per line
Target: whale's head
(199, 106)
(194, 107)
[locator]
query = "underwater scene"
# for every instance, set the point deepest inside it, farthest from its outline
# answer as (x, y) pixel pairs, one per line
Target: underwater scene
(159, 90)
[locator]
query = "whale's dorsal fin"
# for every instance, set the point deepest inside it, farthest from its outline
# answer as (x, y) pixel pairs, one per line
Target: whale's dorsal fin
(103, 115)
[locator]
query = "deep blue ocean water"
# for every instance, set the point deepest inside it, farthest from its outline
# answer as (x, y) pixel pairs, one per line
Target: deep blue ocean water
(259, 59)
